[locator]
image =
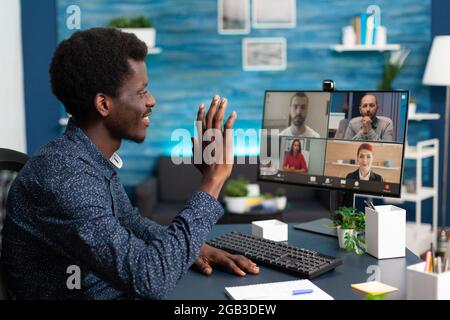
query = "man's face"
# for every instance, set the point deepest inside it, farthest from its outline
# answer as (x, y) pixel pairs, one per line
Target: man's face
(131, 108)
(368, 106)
(299, 110)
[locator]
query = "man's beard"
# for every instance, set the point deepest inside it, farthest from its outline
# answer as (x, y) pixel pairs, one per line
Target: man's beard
(298, 121)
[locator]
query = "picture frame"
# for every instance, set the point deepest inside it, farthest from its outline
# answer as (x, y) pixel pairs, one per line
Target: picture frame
(264, 54)
(270, 14)
(233, 17)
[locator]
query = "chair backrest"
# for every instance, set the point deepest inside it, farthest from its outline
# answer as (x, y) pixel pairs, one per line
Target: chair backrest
(11, 162)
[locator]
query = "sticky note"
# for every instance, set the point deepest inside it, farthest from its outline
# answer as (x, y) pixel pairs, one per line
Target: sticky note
(373, 288)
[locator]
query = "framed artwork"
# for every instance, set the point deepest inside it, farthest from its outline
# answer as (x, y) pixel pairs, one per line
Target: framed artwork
(264, 54)
(274, 14)
(233, 16)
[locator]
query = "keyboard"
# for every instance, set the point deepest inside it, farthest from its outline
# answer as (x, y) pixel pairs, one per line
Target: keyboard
(282, 256)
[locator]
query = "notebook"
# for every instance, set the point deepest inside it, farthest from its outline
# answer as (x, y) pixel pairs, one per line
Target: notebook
(286, 290)
(373, 288)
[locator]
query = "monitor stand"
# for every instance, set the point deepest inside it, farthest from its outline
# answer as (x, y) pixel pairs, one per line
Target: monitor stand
(321, 226)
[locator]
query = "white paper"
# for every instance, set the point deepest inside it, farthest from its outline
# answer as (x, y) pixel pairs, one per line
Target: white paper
(277, 291)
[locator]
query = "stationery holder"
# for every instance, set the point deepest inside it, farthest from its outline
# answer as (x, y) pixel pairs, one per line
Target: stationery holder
(270, 229)
(421, 285)
(385, 231)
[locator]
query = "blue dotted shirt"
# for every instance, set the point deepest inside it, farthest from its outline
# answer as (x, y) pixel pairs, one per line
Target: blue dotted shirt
(68, 207)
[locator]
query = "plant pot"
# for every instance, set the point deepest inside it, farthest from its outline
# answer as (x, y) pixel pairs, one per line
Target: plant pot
(341, 235)
(148, 35)
(269, 205)
(236, 204)
(281, 203)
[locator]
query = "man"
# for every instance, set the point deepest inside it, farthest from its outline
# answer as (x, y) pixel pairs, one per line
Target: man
(297, 115)
(369, 126)
(67, 207)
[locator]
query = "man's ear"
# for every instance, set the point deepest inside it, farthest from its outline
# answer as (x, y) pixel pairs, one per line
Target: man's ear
(103, 104)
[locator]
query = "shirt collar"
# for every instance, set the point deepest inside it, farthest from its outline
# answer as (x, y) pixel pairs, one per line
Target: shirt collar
(92, 154)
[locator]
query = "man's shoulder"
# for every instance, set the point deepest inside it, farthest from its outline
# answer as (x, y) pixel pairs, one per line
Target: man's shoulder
(59, 157)
(384, 119)
(311, 133)
(286, 132)
(355, 120)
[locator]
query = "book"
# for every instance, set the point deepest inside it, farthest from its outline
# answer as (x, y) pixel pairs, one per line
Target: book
(363, 27)
(285, 290)
(370, 29)
(356, 23)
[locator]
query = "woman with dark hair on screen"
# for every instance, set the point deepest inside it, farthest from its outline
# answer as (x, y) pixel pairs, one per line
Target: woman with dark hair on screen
(365, 159)
(294, 160)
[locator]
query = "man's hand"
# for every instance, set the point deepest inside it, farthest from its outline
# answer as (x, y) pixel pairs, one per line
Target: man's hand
(217, 166)
(366, 124)
(210, 256)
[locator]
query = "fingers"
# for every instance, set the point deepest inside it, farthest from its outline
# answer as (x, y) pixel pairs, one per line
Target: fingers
(212, 112)
(246, 264)
(200, 123)
(230, 121)
(202, 264)
(218, 119)
(232, 266)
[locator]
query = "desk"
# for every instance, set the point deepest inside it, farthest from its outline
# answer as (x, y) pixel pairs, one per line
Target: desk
(196, 286)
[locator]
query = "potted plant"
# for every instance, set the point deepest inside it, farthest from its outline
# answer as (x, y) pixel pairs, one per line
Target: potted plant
(141, 26)
(280, 199)
(350, 224)
(236, 195)
(392, 67)
(268, 202)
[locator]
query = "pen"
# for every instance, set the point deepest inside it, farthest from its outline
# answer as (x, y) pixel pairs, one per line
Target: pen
(446, 265)
(427, 261)
(367, 204)
(433, 267)
(302, 291)
(373, 207)
(439, 265)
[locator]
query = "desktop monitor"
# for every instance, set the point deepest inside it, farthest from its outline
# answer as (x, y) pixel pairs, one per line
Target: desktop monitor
(352, 141)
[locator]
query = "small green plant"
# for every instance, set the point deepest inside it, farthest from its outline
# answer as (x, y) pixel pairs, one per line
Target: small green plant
(280, 192)
(351, 219)
(267, 195)
(137, 22)
(236, 187)
(392, 67)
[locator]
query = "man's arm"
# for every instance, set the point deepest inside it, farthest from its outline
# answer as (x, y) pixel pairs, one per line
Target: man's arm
(387, 133)
(349, 133)
(87, 230)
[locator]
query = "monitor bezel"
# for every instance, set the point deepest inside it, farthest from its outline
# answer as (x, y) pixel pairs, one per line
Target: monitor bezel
(331, 188)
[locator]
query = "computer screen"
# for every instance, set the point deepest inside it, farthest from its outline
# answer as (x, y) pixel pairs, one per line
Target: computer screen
(344, 140)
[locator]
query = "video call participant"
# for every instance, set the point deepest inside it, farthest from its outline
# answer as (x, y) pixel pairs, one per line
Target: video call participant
(298, 113)
(294, 160)
(365, 158)
(369, 126)
(68, 207)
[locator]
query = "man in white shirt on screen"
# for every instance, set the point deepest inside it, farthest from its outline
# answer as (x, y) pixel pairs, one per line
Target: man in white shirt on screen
(297, 116)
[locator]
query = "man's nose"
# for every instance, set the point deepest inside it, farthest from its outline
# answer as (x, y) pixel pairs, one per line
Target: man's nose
(151, 102)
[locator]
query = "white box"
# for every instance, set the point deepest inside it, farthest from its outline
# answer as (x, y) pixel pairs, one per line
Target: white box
(270, 229)
(422, 285)
(386, 231)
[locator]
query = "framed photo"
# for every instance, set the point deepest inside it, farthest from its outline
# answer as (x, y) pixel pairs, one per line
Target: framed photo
(264, 54)
(233, 16)
(274, 13)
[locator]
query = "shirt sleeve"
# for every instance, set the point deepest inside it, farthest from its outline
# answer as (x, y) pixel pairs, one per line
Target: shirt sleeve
(388, 131)
(304, 165)
(84, 226)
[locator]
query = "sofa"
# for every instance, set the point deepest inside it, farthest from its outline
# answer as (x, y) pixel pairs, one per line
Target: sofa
(161, 197)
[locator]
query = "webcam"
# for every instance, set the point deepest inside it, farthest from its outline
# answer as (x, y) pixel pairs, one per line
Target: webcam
(328, 85)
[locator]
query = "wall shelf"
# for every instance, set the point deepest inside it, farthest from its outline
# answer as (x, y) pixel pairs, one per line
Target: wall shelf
(424, 116)
(364, 47)
(155, 50)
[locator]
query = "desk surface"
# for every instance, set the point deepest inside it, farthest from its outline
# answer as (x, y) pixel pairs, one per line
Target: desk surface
(355, 269)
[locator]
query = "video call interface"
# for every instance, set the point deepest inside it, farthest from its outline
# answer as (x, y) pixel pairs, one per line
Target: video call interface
(350, 140)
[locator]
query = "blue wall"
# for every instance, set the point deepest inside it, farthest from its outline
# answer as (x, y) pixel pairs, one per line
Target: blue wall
(197, 62)
(39, 39)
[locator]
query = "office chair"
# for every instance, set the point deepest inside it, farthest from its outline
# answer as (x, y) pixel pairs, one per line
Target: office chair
(11, 162)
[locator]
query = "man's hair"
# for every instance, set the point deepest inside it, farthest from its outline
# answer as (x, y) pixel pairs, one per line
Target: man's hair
(91, 62)
(365, 146)
(369, 94)
(299, 95)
